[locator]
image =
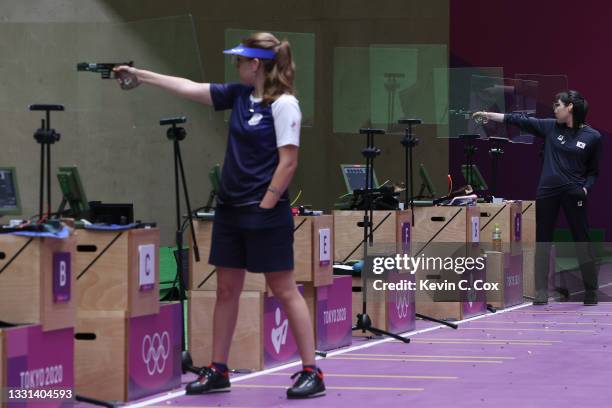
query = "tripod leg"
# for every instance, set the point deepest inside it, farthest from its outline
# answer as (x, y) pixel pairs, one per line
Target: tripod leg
(188, 203)
(380, 332)
(42, 181)
(411, 193)
(433, 319)
(186, 362)
(179, 240)
(176, 186)
(48, 180)
(93, 401)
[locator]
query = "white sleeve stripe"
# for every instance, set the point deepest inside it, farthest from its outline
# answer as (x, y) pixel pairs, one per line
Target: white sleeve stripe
(287, 120)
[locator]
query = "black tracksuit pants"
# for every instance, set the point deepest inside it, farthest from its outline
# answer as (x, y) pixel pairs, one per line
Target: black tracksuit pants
(574, 205)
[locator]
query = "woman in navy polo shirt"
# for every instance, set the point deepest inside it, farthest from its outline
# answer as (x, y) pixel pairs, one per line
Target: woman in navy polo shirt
(253, 226)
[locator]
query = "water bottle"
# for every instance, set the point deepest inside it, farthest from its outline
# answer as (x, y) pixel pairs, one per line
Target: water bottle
(496, 239)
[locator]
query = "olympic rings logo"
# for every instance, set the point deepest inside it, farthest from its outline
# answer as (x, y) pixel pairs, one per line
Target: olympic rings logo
(155, 352)
(401, 304)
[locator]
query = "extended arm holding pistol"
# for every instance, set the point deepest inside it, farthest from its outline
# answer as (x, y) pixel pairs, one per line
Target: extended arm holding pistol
(127, 80)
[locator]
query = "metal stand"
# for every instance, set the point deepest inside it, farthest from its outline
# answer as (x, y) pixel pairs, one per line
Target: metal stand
(410, 142)
(469, 149)
(496, 153)
(45, 136)
(364, 323)
(176, 134)
(93, 401)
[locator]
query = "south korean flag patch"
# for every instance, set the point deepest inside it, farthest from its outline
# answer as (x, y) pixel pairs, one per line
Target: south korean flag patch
(581, 145)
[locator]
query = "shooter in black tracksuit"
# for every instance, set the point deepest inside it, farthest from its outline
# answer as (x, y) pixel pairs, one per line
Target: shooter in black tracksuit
(572, 150)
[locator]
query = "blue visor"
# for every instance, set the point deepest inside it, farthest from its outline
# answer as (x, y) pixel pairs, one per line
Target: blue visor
(251, 52)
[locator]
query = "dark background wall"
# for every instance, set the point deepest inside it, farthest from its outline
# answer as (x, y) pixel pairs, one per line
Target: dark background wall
(539, 37)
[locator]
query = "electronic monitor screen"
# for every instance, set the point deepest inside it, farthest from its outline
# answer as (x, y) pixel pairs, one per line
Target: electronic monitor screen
(355, 175)
(474, 178)
(9, 192)
(72, 191)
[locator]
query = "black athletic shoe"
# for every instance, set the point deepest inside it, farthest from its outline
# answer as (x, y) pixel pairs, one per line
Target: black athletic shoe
(309, 384)
(590, 298)
(210, 380)
(564, 294)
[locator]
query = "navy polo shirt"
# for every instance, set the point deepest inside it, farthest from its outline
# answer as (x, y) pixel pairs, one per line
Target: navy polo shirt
(251, 156)
(571, 156)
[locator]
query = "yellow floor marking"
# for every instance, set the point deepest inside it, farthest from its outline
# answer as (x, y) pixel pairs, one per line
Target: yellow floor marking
(551, 322)
(567, 313)
(421, 360)
(538, 330)
(424, 356)
(333, 387)
(483, 343)
(470, 339)
(407, 377)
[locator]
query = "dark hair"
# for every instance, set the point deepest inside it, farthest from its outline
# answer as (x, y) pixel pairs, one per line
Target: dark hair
(280, 71)
(580, 109)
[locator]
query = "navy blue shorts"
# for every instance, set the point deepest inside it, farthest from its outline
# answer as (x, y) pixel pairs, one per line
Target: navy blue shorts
(252, 238)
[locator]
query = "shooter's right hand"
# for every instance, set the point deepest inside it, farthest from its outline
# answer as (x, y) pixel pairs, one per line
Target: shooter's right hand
(127, 77)
(480, 117)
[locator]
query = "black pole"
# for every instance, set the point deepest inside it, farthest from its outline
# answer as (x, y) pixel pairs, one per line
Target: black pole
(367, 221)
(409, 142)
(469, 149)
(494, 172)
(48, 180)
(41, 193)
(433, 319)
(496, 153)
(179, 236)
(176, 134)
(48, 167)
(364, 322)
(196, 250)
(370, 191)
(93, 401)
(411, 183)
(177, 196)
(45, 136)
(407, 189)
